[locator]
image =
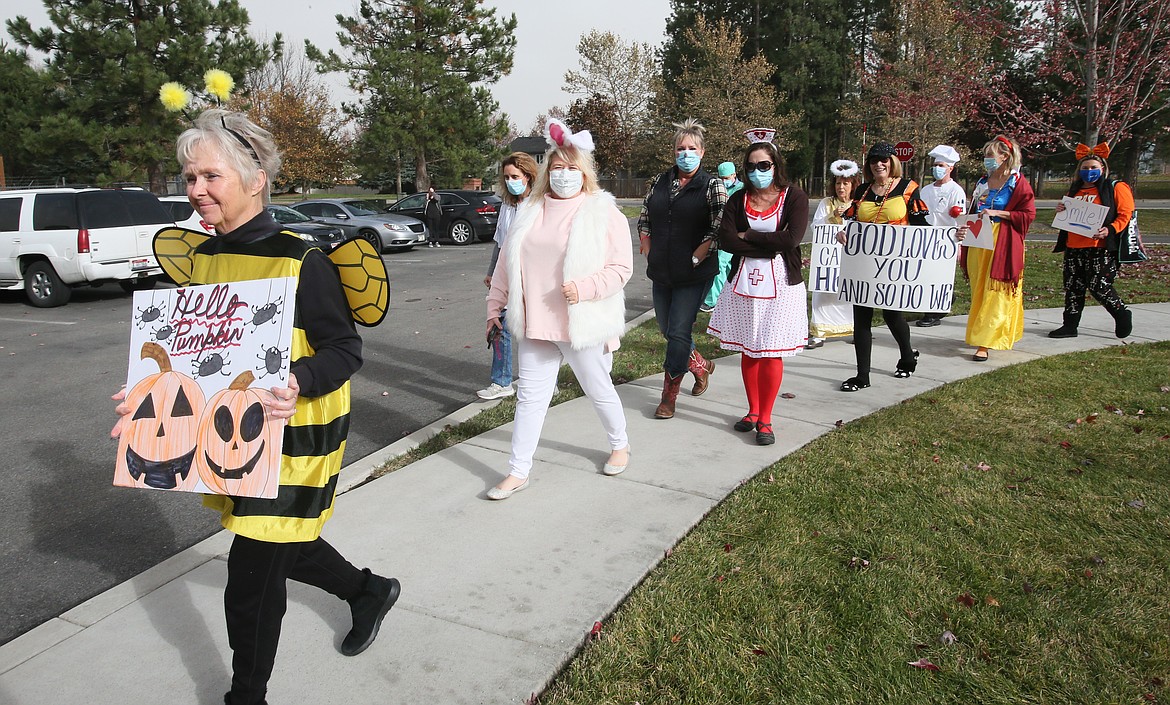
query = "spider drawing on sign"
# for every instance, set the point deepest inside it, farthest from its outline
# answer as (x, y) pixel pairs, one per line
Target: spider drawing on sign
(265, 313)
(272, 358)
(163, 333)
(210, 365)
(150, 314)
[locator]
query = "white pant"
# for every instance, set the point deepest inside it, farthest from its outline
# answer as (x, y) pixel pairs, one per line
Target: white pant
(538, 362)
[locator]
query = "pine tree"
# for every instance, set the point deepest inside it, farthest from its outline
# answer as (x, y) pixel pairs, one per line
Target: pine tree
(107, 60)
(420, 68)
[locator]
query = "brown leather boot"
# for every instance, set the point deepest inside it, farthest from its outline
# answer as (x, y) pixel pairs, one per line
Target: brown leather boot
(670, 387)
(701, 368)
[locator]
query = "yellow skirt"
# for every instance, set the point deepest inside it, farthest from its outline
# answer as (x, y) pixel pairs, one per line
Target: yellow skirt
(996, 320)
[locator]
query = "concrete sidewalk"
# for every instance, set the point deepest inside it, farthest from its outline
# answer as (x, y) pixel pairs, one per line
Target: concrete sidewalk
(496, 595)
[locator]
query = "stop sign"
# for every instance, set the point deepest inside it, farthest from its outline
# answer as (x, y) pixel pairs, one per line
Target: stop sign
(904, 151)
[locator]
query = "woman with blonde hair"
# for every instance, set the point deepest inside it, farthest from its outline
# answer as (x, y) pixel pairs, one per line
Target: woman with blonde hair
(830, 318)
(678, 232)
(566, 260)
(228, 163)
(996, 320)
(518, 172)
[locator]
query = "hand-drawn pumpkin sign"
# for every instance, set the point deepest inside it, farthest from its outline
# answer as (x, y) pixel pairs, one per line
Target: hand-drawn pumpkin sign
(237, 449)
(157, 444)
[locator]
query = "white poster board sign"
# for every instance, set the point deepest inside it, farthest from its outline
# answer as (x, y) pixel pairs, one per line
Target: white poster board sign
(980, 231)
(201, 360)
(824, 268)
(899, 267)
(1080, 217)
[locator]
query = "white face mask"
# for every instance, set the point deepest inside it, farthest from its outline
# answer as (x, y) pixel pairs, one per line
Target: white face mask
(565, 183)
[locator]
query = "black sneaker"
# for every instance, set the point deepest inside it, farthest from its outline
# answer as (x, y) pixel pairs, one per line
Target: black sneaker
(369, 607)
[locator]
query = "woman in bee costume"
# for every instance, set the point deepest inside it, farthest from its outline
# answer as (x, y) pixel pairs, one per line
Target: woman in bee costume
(228, 163)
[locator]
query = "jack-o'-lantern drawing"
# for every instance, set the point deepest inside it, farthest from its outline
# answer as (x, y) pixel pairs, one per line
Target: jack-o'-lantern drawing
(238, 446)
(157, 444)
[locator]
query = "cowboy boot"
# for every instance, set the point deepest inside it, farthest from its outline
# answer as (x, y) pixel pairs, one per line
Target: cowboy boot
(1069, 329)
(701, 368)
(670, 387)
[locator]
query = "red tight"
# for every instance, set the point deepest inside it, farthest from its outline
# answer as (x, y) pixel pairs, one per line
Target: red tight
(761, 381)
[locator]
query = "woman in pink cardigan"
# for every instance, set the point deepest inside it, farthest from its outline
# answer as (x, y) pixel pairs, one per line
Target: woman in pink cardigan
(566, 261)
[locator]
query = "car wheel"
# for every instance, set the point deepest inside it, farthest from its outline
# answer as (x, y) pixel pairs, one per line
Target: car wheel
(460, 232)
(143, 284)
(373, 238)
(43, 287)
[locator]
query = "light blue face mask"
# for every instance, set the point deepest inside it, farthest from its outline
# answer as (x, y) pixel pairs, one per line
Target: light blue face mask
(990, 164)
(687, 160)
(940, 173)
(516, 187)
(760, 179)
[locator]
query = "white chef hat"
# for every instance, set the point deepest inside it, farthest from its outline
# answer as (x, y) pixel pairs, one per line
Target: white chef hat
(945, 153)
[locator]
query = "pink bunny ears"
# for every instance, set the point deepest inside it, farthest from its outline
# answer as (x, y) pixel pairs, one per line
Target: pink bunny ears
(558, 134)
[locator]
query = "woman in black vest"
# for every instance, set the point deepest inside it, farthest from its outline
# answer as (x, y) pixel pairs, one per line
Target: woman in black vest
(678, 230)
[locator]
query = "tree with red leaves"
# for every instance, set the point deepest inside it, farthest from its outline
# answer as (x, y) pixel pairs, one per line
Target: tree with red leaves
(1087, 71)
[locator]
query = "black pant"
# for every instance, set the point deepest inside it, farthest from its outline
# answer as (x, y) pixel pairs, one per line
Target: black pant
(863, 339)
(255, 598)
(1090, 269)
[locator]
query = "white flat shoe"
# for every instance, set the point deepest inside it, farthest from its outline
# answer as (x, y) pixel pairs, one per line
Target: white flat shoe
(497, 493)
(617, 469)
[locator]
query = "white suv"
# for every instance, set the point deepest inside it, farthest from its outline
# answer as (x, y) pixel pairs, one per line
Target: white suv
(54, 239)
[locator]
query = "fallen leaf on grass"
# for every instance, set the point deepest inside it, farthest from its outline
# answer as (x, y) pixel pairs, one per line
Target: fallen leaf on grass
(594, 633)
(982, 466)
(924, 664)
(1065, 444)
(936, 459)
(759, 652)
(532, 700)
(1164, 388)
(719, 578)
(787, 395)
(771, 478)
(948, 638)
(966, 599)
(936, 444)
(838, 424)
(991, 601)
(675, 639)
(1096, 560)
(1028, 588)
(1092, 418)
(667, 552)
(857, 563)
(1088, 573)
(727, 548)
(1135, 504)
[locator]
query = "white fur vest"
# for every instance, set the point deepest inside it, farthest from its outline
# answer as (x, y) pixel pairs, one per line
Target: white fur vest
(590, 322)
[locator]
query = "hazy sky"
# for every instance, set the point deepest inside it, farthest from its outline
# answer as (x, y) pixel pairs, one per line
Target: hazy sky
(546, 38)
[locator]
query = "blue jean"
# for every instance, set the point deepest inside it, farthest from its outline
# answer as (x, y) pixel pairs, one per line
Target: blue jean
(502, 356)
(675, 307)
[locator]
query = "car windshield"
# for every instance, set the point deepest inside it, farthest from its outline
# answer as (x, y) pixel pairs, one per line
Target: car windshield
(363, 208)
(283, 214)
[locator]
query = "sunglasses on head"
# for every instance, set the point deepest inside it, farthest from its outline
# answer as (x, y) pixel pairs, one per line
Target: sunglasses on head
(759, 166)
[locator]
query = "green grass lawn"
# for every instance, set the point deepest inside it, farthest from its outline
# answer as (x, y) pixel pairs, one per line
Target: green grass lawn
(1011, 529)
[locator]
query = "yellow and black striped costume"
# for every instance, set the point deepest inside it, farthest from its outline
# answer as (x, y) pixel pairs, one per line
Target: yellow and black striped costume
(314, 439)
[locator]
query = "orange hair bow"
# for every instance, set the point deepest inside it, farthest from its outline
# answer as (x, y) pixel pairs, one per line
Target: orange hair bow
(1101, 150)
